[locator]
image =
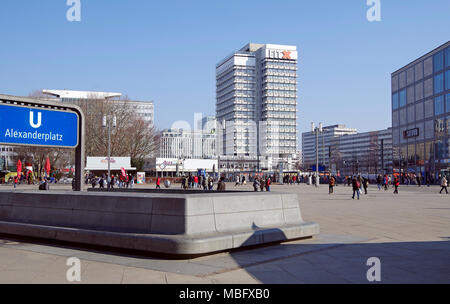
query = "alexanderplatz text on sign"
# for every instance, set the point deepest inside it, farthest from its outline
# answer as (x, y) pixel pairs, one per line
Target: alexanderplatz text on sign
(30, 122)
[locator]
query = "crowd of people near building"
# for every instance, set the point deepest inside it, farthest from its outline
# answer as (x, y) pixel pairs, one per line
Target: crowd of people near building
(358, 183)
(197, 182)
(103, 181)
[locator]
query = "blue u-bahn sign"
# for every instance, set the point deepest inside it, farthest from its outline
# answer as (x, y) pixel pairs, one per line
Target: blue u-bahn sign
(36, 126)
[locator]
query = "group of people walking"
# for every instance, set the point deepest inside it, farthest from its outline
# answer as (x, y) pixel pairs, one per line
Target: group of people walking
(104, 181)
(197, 182)
(261, 183)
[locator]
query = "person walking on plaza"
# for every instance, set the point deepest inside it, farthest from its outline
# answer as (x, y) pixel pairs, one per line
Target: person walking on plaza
(221, 185)
(262, 184)
(365, 182)
(356, 185)
(204, 183)
(379, 181)
(210, 183)
(385, 182)
(444, 184)
(268, 183)
(256, 184)
(131, 179)
(113, 181)
(93, 182)
(158, 183)
(396, 183)
(331, 184)
(238, 180)
(195, 181)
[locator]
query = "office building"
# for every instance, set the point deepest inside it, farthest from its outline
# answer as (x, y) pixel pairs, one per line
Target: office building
(325, 139)
(421, 114)
(368, 153)
(256, 103)
(345, 151)
(143, 109)
(187, 144)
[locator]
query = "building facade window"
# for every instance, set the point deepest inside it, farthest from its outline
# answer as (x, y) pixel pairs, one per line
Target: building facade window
(419, 71)
(447, 80)
(410, 114)
(402, 98)
(448, 125)
(428, 66)
(439, 105)
(428, 87)
(439, 127)
(438, 60)
(395, 119)
(395, 101)
(429, 129)
(429, 111)
(402, 116)
(447, 57)
(439, 83)
(447, 103)
(419, 91)
(440, 149)
(419, 111)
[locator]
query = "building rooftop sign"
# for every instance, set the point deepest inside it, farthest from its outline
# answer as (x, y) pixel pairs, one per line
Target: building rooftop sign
(101, 163)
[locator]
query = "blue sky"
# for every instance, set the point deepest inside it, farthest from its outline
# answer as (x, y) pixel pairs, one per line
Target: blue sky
(153, 50)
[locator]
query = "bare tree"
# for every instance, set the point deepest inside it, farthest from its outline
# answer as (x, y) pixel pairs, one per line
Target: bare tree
(132, 136)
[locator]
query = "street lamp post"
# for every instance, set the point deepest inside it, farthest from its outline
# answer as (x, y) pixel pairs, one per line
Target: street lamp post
(109, 120)
(317, 131)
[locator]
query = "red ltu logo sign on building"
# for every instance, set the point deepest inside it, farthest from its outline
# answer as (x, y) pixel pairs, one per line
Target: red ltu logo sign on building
(286, 55)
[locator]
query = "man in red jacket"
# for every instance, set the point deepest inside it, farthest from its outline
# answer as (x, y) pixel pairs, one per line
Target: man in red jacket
(396, 184)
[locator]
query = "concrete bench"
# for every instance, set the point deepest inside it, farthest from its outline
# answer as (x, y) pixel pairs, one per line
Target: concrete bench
(173, 223)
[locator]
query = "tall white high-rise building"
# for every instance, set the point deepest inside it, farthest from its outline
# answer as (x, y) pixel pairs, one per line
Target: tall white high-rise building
(256, 102)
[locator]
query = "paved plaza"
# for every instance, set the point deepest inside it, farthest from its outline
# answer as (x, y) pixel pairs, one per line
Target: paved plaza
(408, 232)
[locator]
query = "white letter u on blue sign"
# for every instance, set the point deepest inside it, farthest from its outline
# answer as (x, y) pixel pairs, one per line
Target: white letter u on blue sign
(38, 124)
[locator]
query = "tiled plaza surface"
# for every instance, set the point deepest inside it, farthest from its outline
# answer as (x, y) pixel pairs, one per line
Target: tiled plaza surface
(408, 232)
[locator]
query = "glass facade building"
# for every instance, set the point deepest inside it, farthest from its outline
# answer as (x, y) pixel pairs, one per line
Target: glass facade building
(421, 114)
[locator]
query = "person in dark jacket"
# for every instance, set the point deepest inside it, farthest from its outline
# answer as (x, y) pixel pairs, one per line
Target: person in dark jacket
(356, 186)
(221, 185)
(379, 181)
(365, 182)
(331, 184)
(256, 184)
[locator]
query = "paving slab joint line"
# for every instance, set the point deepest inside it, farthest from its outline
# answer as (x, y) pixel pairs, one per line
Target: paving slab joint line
(279, 258)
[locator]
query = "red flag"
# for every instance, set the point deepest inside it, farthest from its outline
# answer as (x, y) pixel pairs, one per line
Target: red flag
(47, 166)
(19, 168)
